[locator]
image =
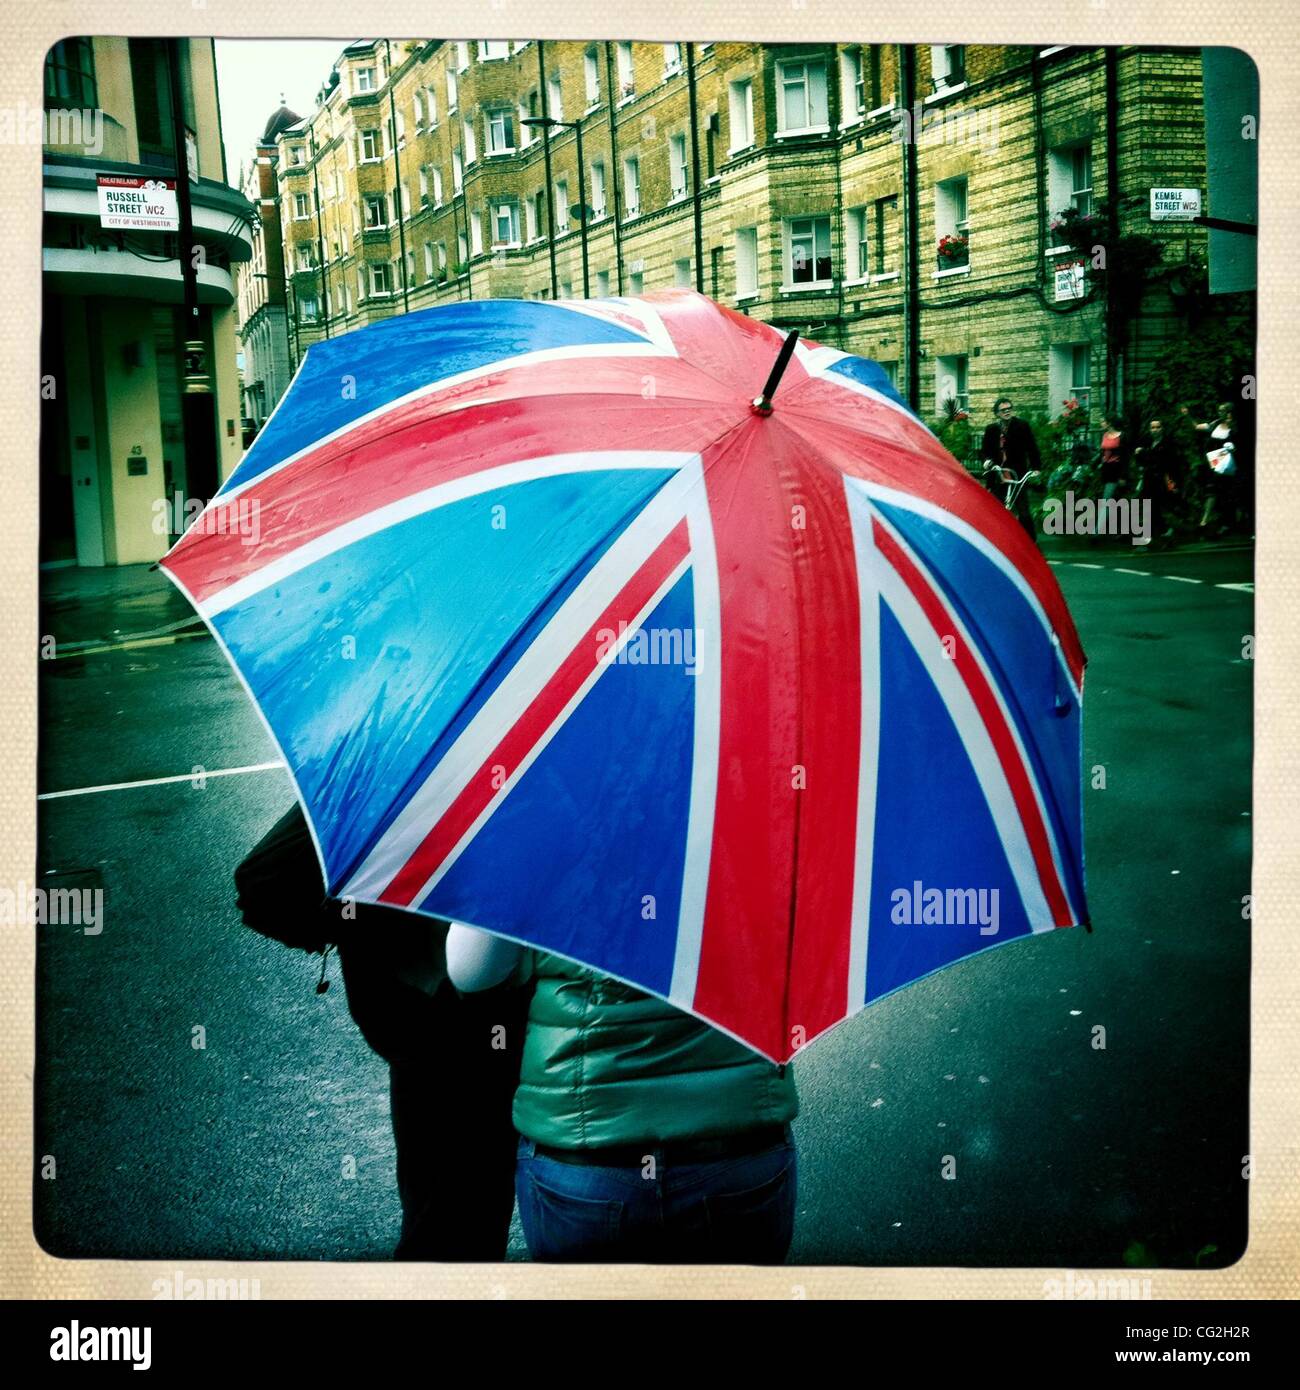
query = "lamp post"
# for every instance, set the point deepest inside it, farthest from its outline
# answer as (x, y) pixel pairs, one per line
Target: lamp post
(550, 123)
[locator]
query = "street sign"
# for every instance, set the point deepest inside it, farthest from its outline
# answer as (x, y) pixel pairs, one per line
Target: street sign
(138, 204)
(1175, 204)
(1069, 280)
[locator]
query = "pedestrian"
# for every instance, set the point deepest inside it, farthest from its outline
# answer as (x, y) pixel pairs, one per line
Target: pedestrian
(1219, 445)
(1161, 476)
(1009, 451)
(646, 1135)
(453, 1060)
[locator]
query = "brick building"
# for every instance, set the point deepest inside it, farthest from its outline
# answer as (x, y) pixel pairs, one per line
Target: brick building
(808, 185)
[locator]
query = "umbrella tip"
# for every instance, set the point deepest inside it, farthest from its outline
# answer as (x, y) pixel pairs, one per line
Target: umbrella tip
(762, 403)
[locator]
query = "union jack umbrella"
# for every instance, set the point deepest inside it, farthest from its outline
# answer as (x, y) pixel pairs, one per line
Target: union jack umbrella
(569, 632)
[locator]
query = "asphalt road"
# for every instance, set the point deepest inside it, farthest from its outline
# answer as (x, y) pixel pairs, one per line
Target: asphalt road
(1057, 1152)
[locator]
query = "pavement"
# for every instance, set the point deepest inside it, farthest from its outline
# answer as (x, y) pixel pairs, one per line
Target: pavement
(200, 1099)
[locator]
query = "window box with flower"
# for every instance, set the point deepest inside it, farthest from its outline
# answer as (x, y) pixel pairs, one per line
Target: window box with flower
(953, 252)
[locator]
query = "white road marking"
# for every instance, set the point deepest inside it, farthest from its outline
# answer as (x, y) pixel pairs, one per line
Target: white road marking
(1240, 588)
(1120, 570)
(161, 781)
(1180, 579)
(1085, 565)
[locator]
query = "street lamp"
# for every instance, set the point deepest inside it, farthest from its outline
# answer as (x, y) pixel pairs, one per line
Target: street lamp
(550, 123)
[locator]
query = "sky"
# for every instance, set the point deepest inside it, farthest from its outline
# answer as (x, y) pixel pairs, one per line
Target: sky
(252, 74)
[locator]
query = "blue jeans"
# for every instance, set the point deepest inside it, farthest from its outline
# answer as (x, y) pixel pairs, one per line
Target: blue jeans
(730, 1211)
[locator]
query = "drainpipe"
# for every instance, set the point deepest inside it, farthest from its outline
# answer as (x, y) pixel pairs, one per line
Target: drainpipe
(911, 230)
(1114, 326)
(320, 231)
(615, 173)
(397, 179)
(696, 192)
(546, 159)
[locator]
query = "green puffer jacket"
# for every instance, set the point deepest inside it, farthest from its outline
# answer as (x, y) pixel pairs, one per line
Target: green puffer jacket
(606, 1064)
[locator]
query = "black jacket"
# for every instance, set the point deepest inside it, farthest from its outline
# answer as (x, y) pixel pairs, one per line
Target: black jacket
(1021, 446)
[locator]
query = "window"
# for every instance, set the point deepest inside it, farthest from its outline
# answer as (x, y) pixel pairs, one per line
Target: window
(626, 72)
(950, 383)
(380, 281)
(431, 106)
(417, 105)
(428, 260)
(347, 248)
(555, 97)
(602, 283)
(304, 258)
(715, 271)
(712, 129)
(376, 214)
(492, 50)
(801, 98)
(566, 289)
(857, 244)
(70, 75)
(424, 186)
(308, 309)
(951, 224)
(457, 171)
(808, 251)
(1069, 376)
(632, 185)
(437, 188)
(561, 206)
(591, 73)
(400, 130)
(741, 102)
(947, 66)
(442, 259)
(505, 223)
(462, 54)
(451, 91)
(500, 123)
(462, 249)
(1069, 180)
(476, 232)
(365, 79)
(677, 166)
(297, 156)
(531, 219)
(874, 77)
(370, 146)
(853, 103)
(525, 134)
(746, 262)
(636, 282)
(470, 142)
(672, 58)
(682, 273)
(410, 268)
(886, 210)
(598, 189)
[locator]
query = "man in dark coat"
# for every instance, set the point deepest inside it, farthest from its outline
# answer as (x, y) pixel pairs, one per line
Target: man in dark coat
(1008, 451)
(453, 1061)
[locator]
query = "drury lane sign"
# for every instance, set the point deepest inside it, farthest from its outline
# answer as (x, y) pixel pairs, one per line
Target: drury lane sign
(139, 204)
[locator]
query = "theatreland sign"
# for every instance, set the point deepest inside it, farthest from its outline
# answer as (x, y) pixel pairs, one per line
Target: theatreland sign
(138, 204)
(1175, 204)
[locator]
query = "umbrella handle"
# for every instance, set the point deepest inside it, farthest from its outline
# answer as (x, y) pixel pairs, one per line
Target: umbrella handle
(762, 403)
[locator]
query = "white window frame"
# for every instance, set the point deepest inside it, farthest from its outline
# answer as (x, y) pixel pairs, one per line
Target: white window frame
(682, 273)
(503, 116)
(562, 206)
(625, 66)
(462, 55)
(591, 76)
(374, 267)
(631, 187)
(555, 97)
(469, 141)
(858, 229)
(818, 222)
(476, 233)
(374, 137)
(509, 206)
(952, 217)
(437, 186)
(954, 369)
(942, 68)
(366, 80)
(672, 60)
(740, 102)
(807, 67)
(853, 90)
(453, 92)
(747, 277)
(373, 201)
(599, 190)
(485, 47)
(678, 177)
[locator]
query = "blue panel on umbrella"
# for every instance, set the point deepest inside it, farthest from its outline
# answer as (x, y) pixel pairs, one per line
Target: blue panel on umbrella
(388, 360)
(362, 660)
(595, 826)
(934, 830)
(872, 374)
(1025, 663)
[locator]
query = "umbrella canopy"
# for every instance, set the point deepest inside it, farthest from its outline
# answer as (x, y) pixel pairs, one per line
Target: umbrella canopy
(565, 636)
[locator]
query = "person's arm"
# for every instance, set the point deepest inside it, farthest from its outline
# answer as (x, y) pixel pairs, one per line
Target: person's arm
(477, 960)
(1031, 447)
